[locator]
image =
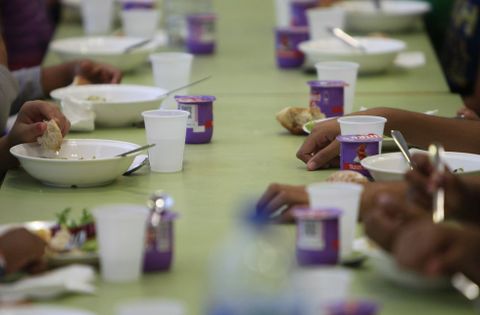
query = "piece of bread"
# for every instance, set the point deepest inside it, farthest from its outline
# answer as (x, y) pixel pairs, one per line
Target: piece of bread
(348, 177)
(52, 138)
(293, 118)
(80, 80)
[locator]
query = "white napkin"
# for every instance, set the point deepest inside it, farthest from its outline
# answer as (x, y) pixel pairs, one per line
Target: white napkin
(410, 59)
(71, 279)
(80, 113)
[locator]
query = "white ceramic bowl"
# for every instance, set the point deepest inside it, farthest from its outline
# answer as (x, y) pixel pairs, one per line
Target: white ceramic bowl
(122, 104)
(106, 49)
(379, 56)
(80, 163)
(394, 16)
(392, 166)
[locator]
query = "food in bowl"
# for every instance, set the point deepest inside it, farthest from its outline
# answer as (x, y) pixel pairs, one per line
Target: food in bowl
(96, 98)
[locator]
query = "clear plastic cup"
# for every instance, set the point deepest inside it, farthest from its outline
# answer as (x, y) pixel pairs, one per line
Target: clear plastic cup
(318, 287)
(340, 71)
(343, 196)
(167, 129)
(97, 16)
(140, 22)
(121, 238)
(170, 71)
(282, 12)
(320, 19)
(151, 307)
(362, 125)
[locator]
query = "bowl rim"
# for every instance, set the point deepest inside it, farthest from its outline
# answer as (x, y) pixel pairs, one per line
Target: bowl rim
(67, 161)
(417, 8)
(369, 159)
(56, 46)
(56, 94)
(401, 45)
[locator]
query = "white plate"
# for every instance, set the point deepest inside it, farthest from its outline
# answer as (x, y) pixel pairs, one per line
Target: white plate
(82, 162)
(392, 166)
(123, 103)
(394, 16)
(379, 56)
(106, 49)
(385, 265)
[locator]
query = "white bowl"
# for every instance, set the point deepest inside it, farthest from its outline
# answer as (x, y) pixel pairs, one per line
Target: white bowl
(80, 163)
(394, 16)
(106, 49)
(122, 104)
(392, 166)
(379, 56)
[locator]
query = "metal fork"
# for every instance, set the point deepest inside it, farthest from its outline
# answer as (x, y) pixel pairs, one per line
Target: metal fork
(459, 281)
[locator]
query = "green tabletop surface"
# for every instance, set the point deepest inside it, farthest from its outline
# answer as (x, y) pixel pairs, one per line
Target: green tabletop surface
(249, 150)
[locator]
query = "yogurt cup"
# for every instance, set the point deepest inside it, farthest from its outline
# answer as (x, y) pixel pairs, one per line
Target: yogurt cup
(286, 46)
(201, 33)
(159, 245)
(298, 11)
(317, 236)
(328, 96)
(355, 148)
(200, 121)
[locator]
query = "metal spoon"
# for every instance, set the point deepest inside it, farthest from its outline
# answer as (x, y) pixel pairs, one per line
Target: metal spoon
(459, 281)
(187, 85)
(347, 39)
(139, 44)
(136, 150)
(136, 165)
(403, 146)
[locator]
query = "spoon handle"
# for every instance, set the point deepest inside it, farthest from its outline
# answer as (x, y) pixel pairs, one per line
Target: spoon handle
(403, 146)
(136, 150)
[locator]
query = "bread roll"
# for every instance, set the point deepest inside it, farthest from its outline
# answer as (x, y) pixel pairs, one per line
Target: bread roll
(52, 138)
(293, 118)
(80, 80)
(348, 177)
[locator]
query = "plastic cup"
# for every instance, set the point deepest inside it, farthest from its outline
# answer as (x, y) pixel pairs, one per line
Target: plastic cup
(282, 12)
(151, 307)
(121, 240)
(170, 71)
(343, 196)
(318, 287)
(140, 22)
(320, 19)
(362, 125)
(97, 16)
(166, 128)
(340, 71)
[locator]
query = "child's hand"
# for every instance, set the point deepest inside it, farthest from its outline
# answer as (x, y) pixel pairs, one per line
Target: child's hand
(97, 72)
(30, 122)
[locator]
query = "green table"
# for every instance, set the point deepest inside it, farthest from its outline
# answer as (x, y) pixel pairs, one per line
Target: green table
(249, 151)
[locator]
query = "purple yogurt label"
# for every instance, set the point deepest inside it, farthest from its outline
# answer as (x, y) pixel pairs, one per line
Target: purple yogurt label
(201, 33)
(287, 41)
(200, 121)
(328, 96)
(132, 5)
(355, 148)
(317, 236)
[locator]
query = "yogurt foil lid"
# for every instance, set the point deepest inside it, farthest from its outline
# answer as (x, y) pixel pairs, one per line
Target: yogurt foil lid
(327, 83)
(360, 138)
(195, 99)
(316, 213)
